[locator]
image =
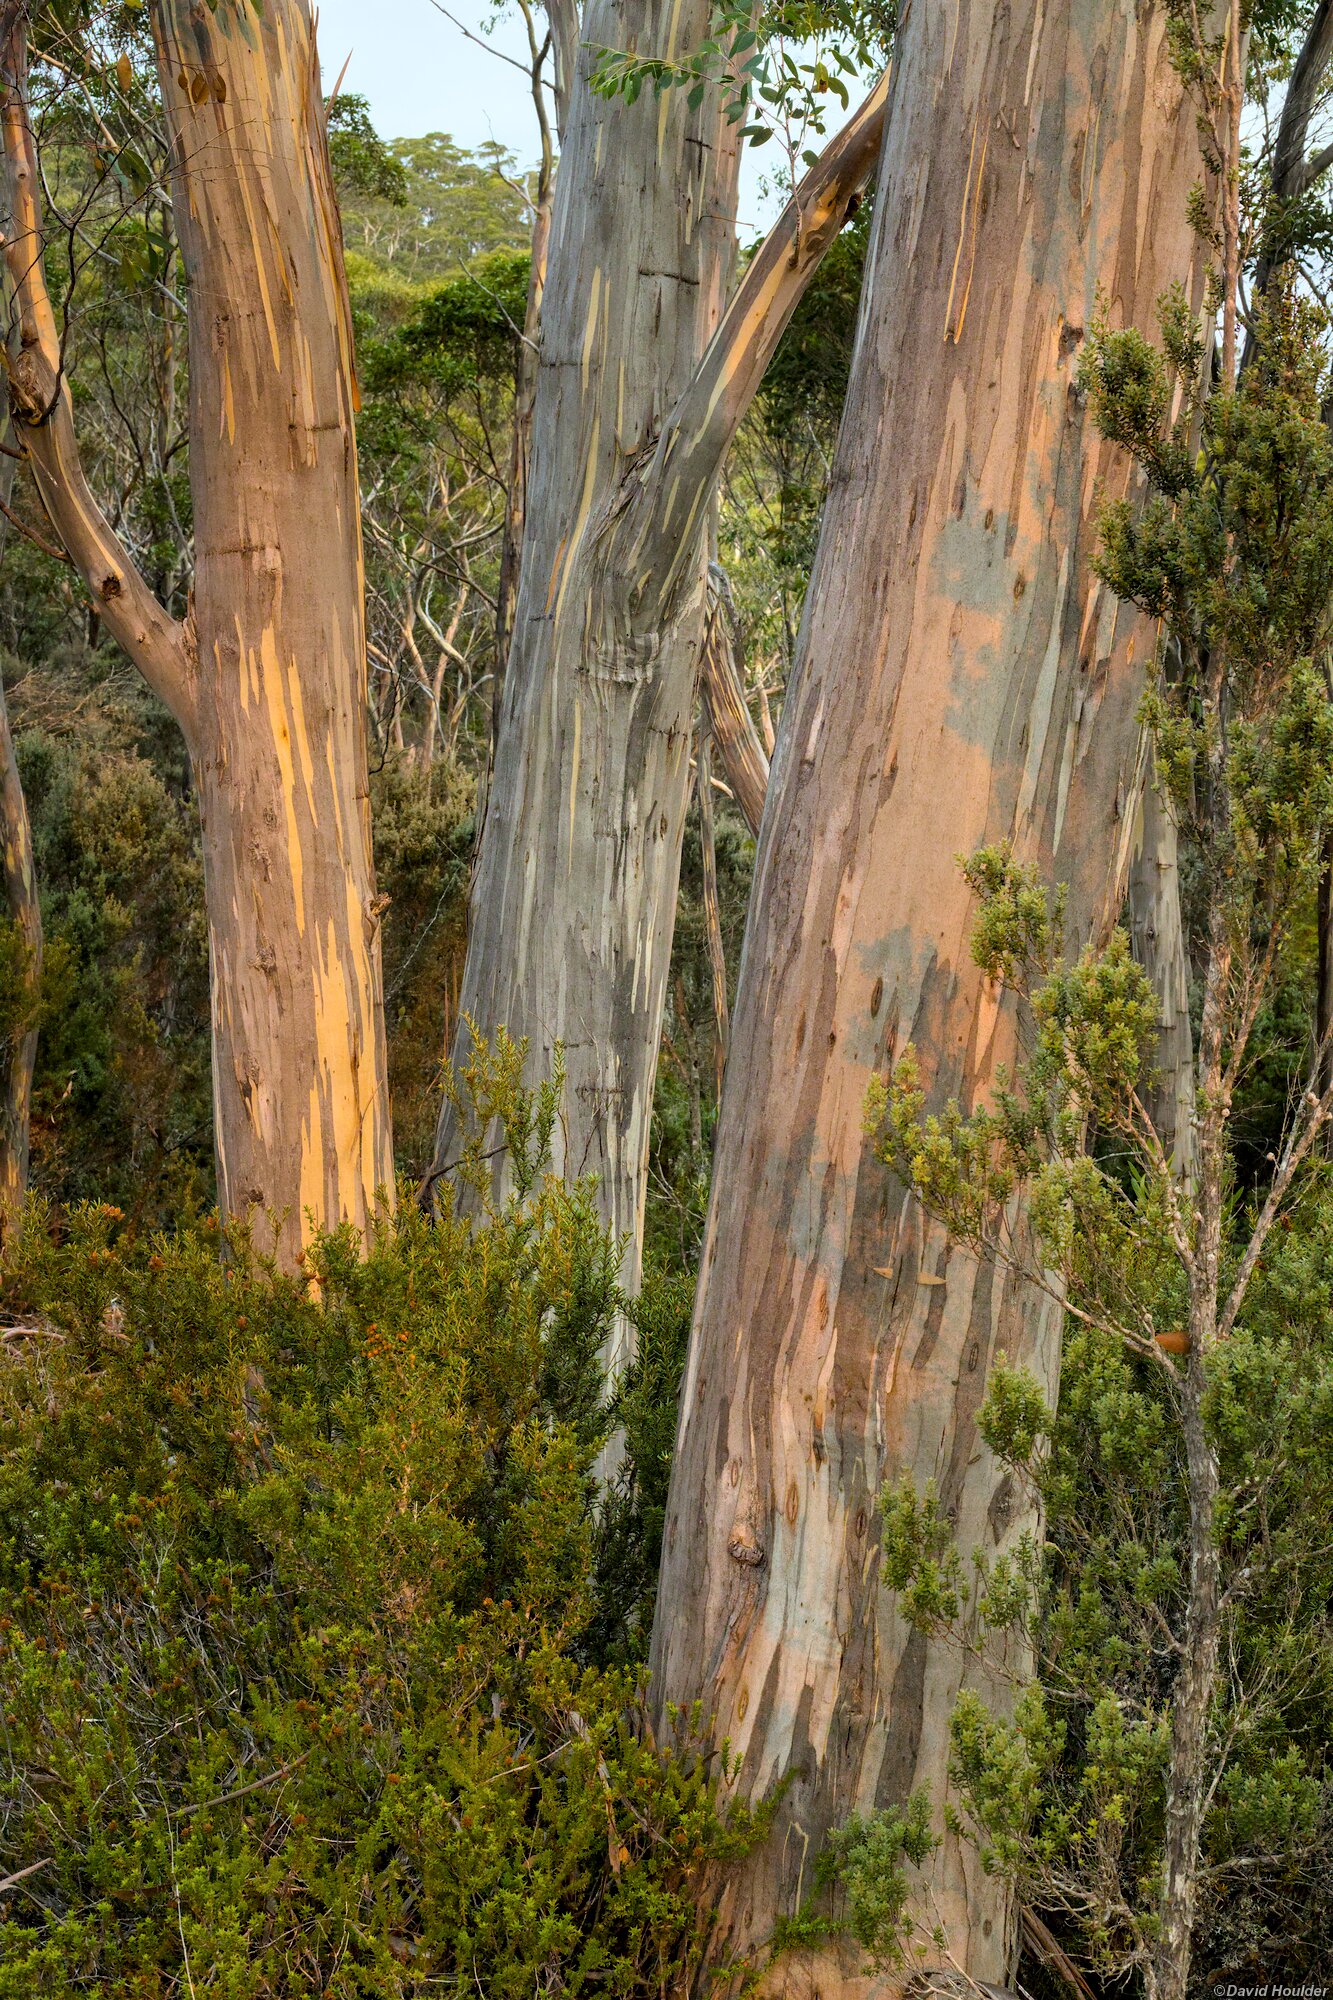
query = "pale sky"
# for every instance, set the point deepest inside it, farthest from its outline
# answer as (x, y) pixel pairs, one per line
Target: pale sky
(419, 73)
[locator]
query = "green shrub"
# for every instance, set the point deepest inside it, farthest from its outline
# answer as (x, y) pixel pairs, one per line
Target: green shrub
(296, 1578)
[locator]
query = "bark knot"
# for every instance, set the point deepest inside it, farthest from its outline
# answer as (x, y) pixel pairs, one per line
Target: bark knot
(745, 1547)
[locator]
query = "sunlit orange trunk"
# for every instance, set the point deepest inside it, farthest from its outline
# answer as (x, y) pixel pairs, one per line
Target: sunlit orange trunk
(267, 678)
(962, 679)
(278, 738)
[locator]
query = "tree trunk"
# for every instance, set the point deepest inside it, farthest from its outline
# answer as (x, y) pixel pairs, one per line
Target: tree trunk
(278, 741)
(525, 374)
(962, 680)
(1323, 1006)
(267, 679)
(717, 956)
(1191, 1699)
(1292, 172)
(1158, 939)
(23, 912)
(18, 878)
(574, 901)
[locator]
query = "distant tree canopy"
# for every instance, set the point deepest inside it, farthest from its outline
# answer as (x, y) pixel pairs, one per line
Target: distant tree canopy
(424, 208)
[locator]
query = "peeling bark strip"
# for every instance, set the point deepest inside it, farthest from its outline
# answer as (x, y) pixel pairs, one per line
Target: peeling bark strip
(574, 901)
(962, 679)
(268, 682)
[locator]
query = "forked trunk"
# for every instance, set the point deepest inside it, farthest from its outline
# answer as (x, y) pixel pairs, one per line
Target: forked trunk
(574, 901)
(267, 679)
(575, 892)
(961, 680)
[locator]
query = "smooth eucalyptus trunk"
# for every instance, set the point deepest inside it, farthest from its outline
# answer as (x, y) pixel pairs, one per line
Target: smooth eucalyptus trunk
(961, 679)
(278, 730)
(574, 900)
(267, 676)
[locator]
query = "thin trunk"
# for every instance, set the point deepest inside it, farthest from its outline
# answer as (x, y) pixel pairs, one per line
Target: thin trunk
(726, 711)
(574, 901)
(268, 677)
(961, 679)
(769, 735)
(1158, 939)
(717, 957)
(1323, 1026)
(1191, 1699)
(23, 912)
(20, 907)
(1233, 104)
(1192, 1694)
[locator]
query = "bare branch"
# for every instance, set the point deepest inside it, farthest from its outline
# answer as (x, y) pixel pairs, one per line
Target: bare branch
(1302, 1136)
(43, 412)
(668, 491)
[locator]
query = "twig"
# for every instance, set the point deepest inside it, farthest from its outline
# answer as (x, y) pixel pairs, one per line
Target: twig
(31, 534)
(206, 1805)
(9, 1881)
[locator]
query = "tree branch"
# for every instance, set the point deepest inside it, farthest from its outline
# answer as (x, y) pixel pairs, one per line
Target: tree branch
(563, 17)
(43, 413)
(1292, 173)
(1302, 1136)
(661, 504)
(1289, 163)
